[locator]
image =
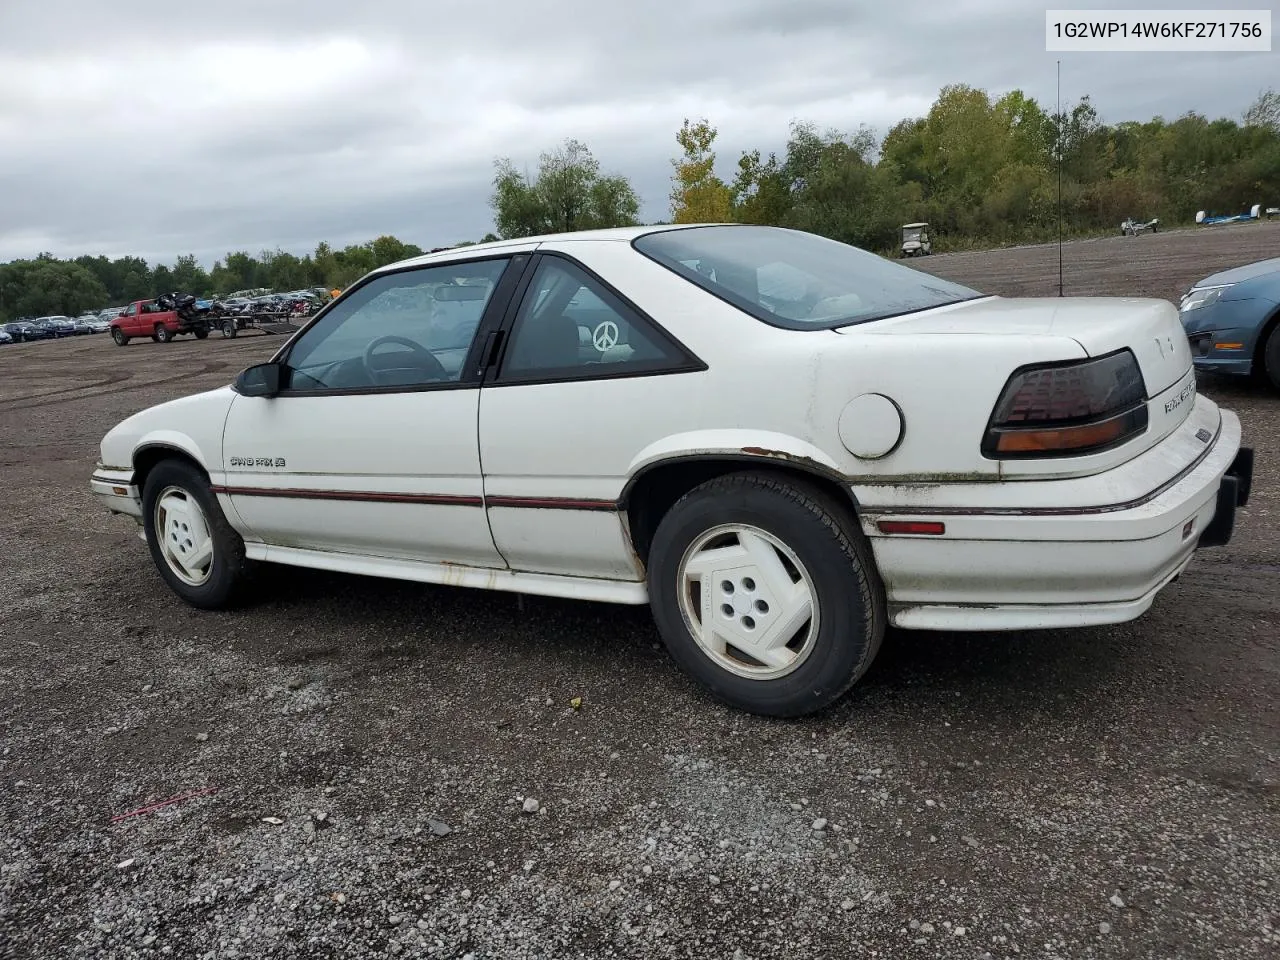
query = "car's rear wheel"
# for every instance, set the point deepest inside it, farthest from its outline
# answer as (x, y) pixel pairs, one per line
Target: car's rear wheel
(201, 334)
(118, 336)
(198, 553)
(765, 591)
(162, 333)
(1271, 357)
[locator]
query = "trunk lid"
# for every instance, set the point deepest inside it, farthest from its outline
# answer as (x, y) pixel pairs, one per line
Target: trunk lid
(1100, 325)
(1150, 328)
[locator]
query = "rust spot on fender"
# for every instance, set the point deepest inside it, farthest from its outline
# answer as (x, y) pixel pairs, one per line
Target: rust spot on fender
(787, 458)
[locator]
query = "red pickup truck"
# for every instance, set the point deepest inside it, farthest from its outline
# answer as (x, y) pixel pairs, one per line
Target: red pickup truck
(146, 318)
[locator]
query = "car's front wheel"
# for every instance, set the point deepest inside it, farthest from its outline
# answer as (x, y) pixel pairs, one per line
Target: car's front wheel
(765, 591)
(118, 336)
(1271, 357)
(198, 553)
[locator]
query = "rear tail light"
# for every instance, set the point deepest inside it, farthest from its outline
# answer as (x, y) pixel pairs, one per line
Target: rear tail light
(1068, 409)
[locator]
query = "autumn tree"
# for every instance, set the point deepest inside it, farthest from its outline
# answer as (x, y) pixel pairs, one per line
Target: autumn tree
(697, 194)
(568, 193)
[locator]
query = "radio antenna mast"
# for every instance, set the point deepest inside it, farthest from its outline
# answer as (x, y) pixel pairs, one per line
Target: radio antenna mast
(1060, 178)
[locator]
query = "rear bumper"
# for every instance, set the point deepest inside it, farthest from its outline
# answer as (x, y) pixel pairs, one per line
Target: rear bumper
(1015, 568)
(1233, 492)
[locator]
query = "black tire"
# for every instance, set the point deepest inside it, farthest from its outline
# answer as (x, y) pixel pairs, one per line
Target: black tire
(825, 538)
(201, 334)
(118, 336)
(229, 329)
(230, 569)
(1271, 357)
(163, 335)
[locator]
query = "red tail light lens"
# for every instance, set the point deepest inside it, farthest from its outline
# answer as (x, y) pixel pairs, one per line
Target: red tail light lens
(1068, 409)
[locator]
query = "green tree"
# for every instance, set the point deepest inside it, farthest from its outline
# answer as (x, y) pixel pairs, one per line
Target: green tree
(568, 193)
(388, 249)
(162, 281)
(760, 192)
(44, 286)
(134, 286)
(190, 277)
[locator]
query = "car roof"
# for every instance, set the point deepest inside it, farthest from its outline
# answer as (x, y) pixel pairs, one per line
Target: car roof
(516, 244)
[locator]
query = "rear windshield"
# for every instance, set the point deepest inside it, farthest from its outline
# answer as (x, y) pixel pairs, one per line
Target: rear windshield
(797, 280)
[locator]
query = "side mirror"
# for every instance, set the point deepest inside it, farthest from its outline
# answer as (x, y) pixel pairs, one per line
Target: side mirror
(262, 380)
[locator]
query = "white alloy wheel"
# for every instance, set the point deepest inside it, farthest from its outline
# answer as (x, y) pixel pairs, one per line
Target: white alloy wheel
(183, 532)
(748, 601)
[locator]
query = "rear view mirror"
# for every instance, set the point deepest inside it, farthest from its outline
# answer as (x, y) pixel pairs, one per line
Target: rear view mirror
(456, 293)
(262, 380)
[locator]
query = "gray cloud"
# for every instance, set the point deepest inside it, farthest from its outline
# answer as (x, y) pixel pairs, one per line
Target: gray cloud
(161, 128)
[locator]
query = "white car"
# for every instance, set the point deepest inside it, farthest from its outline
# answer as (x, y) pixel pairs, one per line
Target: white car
(780, 442)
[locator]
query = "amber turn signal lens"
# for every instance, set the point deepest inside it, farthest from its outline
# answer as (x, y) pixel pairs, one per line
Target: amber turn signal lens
(1067, 438)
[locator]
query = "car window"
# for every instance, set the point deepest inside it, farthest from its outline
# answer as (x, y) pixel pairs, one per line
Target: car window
(571, 325)
(797, 280)
(399, 330)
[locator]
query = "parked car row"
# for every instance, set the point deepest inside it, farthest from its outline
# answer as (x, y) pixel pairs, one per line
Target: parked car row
(49, 328)
(170, 315)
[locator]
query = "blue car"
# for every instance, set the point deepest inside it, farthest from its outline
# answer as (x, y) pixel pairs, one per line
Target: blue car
(1232, 320)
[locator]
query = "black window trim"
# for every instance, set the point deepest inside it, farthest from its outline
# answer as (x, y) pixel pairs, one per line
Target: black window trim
(776, 322)
(497, 376)
(470, 375)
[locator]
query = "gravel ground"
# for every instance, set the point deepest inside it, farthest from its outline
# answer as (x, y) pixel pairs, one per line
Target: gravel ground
(386, 769)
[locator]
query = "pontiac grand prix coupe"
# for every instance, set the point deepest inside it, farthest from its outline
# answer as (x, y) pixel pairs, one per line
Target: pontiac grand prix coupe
(780, 442)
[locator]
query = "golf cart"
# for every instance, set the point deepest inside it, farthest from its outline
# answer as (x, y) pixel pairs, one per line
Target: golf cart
(915, 240)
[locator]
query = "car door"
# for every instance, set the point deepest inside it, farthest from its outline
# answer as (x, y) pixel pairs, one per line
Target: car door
(370, 446)
(129, 321)
(564, 412)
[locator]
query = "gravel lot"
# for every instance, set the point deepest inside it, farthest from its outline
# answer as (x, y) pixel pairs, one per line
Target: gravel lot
(1101, 793)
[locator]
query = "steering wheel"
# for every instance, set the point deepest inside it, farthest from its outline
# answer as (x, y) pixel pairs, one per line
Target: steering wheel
(423, 358)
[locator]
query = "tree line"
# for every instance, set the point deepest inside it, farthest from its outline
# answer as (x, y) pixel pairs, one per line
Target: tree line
(981, 170)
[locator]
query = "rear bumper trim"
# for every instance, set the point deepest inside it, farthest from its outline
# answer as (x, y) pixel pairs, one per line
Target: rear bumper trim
(1059, 511)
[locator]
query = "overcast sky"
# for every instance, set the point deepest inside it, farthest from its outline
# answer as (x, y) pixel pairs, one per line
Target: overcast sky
(160, 127)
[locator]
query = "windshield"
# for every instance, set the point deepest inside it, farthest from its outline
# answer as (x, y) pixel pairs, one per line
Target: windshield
(797, 280)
